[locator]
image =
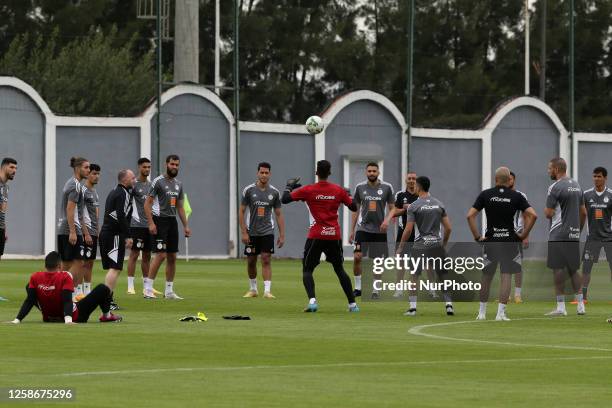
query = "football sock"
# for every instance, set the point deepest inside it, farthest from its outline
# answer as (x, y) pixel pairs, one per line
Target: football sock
(447, 297)
(131, 282)
(253, 284)
(79, 289)
(169, 287)
(501, 309)
(584, 292)
(561, 303)
(579, 298)
(483, 308)
(517, 291)
(413, 301)
(312, 301)
(267, 285)
(352, 304)
(358, 282)
(86, 288)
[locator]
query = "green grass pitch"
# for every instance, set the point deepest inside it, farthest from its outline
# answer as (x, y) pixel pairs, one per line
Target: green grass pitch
(286, 358)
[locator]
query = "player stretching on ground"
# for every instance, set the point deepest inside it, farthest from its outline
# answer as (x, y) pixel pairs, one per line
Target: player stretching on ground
(501, 240)
(427, 213)
(51, 292)
(323, 199)
(91, 217)
(367, 232)
(518, 228)
(139, 229)
(403, 198)
(70, 242)
(566, 212)
(598, 202)
(165, 200)
(114, 236)
(8, 168)
(261, 199)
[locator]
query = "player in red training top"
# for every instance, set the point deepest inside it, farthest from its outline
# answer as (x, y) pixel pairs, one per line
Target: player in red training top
(323, 199)
(51, 291)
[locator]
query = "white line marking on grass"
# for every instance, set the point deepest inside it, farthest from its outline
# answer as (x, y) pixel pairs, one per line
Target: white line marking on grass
(418, 331)
(316, 366)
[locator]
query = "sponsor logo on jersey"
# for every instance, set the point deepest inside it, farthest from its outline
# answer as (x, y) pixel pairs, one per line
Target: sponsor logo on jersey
(46, 287)
(573, 189)
(430, 207)
(500, 199)
(261, 203)
(328, 231)
(372, 198)
(325, 197)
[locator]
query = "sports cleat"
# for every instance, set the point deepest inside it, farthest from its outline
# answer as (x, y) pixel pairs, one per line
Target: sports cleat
(609, 320)
(111, 319)
(481, 316)
(353, 309)
(250, 294)
(410, 312)
(580, 310)
(268, 295)
(502, 318)
(3, 299)
(518, 299)
(148, 294)
(449, 310)
(172, 296)
(311, 308)
(556, 312)
(156, 292)
(131, 291)
(375, 295)
(114, 306)
(357, 292)
(78, 298)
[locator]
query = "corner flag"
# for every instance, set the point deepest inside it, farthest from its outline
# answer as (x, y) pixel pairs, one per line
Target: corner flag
(187, 207)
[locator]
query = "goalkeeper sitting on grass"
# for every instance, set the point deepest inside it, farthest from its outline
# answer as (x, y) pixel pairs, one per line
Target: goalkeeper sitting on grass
(51, 291)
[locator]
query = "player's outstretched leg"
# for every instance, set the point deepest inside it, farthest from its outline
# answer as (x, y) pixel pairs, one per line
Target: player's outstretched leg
(100, 296)
(309, 285)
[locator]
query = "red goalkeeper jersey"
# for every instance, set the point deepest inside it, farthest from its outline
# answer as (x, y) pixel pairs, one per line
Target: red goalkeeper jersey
(49, 286)
(323, 200)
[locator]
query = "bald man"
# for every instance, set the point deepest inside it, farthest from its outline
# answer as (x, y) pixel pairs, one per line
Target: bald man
(114, 236)
(500, 240)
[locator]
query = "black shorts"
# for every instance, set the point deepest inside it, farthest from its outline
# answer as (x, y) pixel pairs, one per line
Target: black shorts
(257, 245)
(506, 254)
(563, 254)
(112, 250)
(434, 258)
(166, 239)
(91, 251)
(142, 239)
(371, 245)
(2, 241)
(592, 249)
(69, 252)
(315, 247)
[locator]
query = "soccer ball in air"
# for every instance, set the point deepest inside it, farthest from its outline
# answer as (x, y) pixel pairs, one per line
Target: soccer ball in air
(314, 125)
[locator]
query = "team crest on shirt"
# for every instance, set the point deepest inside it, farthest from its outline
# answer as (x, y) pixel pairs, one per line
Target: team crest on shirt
(270, 197)
(606, 199)
(176, 187)
(379, 192)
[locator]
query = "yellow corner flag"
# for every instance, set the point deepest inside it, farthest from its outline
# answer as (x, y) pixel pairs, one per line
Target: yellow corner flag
(187, 206)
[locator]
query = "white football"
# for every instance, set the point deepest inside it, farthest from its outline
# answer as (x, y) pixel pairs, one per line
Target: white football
(314, 125)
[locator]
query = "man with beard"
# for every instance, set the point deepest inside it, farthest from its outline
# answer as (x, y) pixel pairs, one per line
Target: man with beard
(371, 198)
(164, 202)
(8, 168)
(566, 211)
(70, 239)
